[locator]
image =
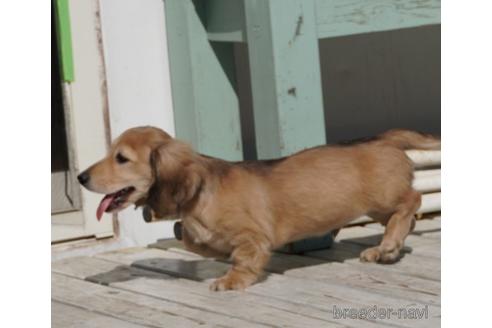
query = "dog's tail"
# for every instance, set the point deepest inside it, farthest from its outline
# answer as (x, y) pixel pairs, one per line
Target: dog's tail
(406, 139)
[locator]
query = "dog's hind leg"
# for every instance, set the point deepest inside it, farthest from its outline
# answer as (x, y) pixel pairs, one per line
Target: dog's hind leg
(399, 225)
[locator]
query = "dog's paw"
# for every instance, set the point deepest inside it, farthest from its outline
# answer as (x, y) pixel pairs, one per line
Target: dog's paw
(372, 254)
(380, 254)
(228, 282)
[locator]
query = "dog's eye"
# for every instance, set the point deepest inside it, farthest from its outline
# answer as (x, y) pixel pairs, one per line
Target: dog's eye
(121, 159)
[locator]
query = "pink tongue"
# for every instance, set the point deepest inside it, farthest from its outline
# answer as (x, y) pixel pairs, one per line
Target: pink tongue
(103, 206)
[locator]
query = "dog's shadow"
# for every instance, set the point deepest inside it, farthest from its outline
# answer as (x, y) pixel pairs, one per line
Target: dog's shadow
(341, 251)
(162, 268)
(122, 273)
(206, 269)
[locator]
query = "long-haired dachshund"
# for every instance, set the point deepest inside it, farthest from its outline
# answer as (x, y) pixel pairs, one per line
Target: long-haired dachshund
(244, 210)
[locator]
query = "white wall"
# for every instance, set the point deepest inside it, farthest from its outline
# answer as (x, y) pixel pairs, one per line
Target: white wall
(137, 70)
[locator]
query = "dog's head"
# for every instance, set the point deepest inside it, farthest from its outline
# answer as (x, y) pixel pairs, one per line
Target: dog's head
(145, 166)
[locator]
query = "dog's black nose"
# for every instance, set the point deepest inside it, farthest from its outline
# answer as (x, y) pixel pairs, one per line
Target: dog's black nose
(83, 178)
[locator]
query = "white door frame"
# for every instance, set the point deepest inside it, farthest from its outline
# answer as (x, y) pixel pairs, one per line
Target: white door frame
(87, 110)
(136, 68)
(139, 88)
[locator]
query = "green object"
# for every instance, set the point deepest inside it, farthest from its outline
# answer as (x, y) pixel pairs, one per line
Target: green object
(206, 107)
(285, 76)
(64, 34)
(341, 17)
(226, 20)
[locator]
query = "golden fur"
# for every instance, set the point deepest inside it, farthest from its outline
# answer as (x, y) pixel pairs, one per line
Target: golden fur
(244, 210)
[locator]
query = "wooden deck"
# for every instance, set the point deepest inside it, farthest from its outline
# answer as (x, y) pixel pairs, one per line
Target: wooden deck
(165, 286)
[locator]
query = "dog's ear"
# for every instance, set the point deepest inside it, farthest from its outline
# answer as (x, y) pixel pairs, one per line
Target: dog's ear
(177, 172)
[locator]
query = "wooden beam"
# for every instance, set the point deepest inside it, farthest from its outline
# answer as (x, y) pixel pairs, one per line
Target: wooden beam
(206, 113)
(334, 18)
(424, 158)
(340, 17)
(285, 76)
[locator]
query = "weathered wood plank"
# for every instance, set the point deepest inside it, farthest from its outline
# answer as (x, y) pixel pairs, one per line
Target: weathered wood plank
(186, 256)
(339, 17)
(185, 265)
(424, 158)
(89, 268)
(434, 235)
(68, 316)
(385, 282)
(423, 252)
(131, 307)
(430, 228)
(334, 18)
(278, 286)
(380, 281)
(304, 295)
(372, 236)
(429, 250)
(279, 262)
(326, 295)
(420, 253)
(285, 76)
(206, 114)
(348, 249)
(426, 181)
(266, 310)
(411, 265)
(348, 254)
(340, 252)
(431, 203)
(166, 243)
(249, 307)
(130, 255)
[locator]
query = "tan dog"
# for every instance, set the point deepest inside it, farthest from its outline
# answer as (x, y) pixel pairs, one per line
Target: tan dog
(245, 210)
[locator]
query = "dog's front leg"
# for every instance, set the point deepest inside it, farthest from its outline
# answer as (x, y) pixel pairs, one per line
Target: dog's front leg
(249, 256)
(200, 249)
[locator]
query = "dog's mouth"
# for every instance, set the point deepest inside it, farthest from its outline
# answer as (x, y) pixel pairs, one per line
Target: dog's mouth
(114, 201)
